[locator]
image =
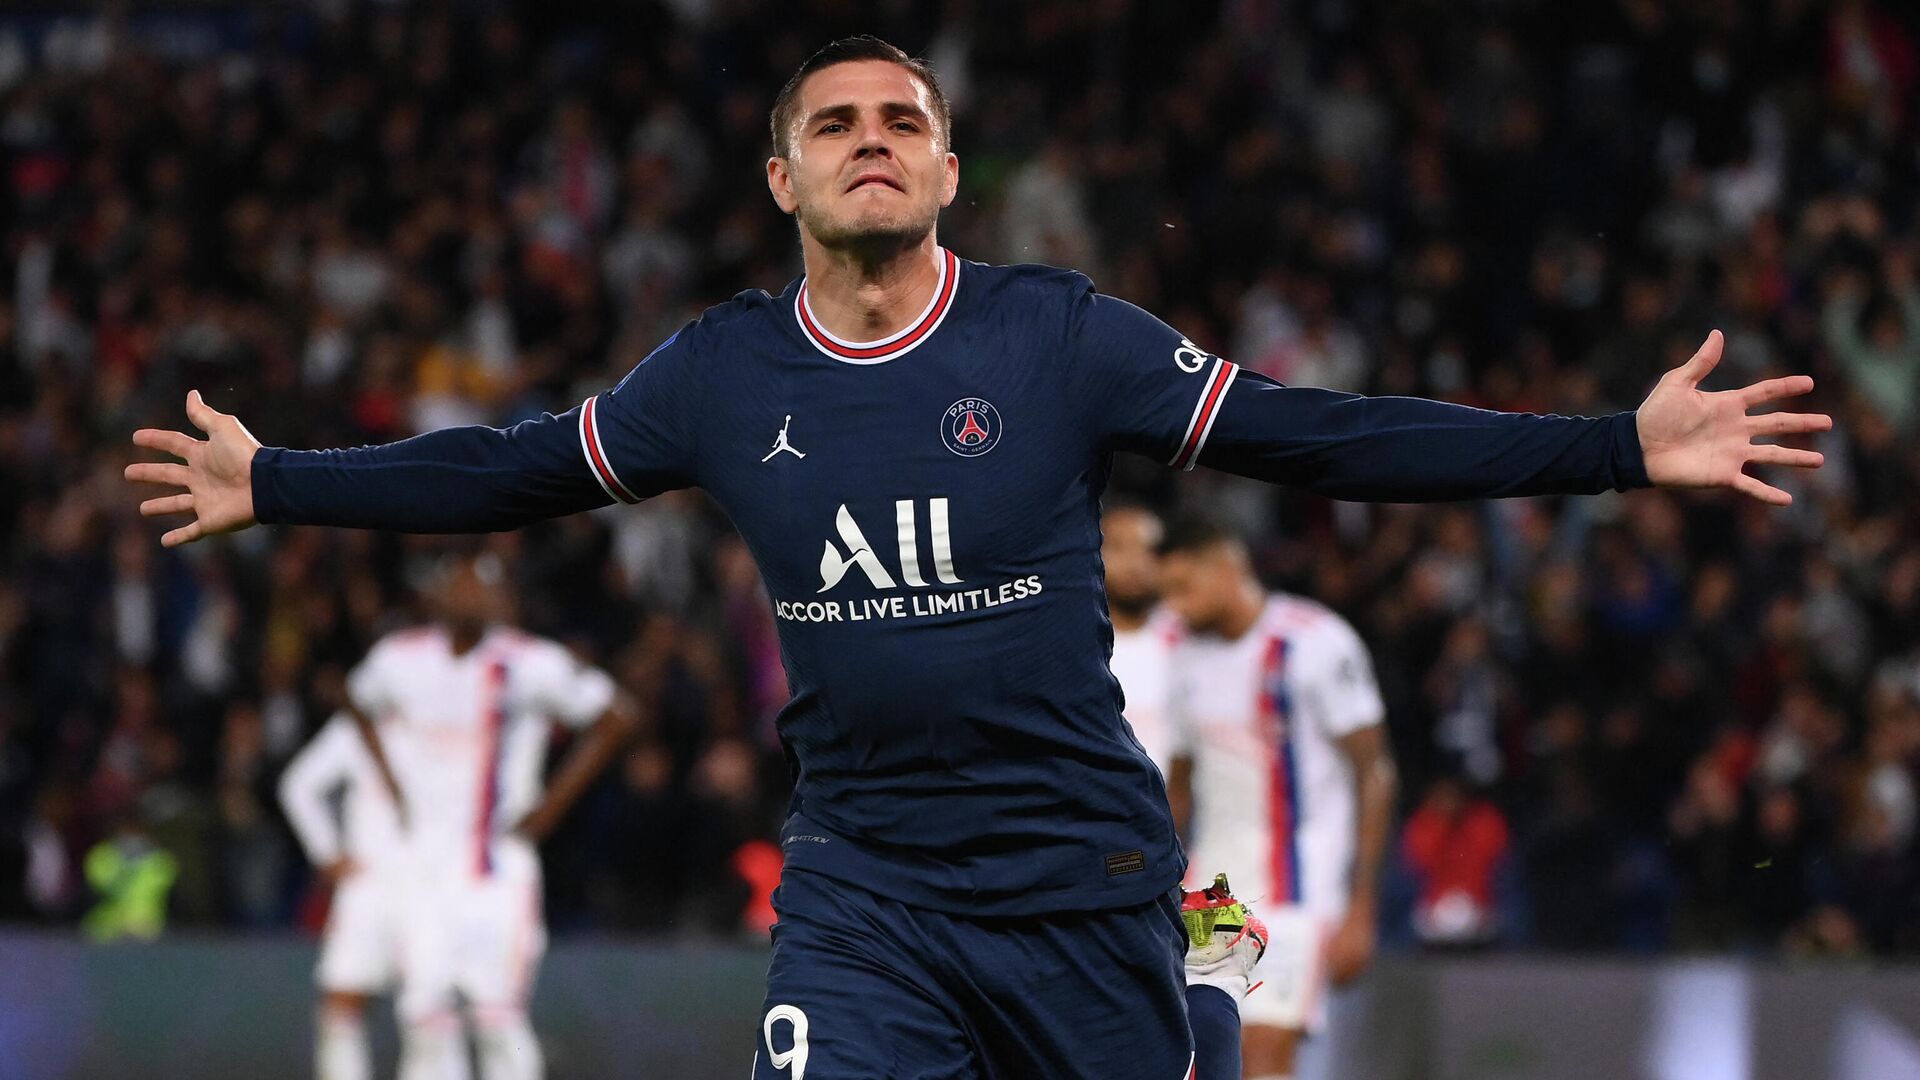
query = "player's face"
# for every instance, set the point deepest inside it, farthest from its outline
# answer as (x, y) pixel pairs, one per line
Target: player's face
(471, 595)
(1128, 543)
(867, 167)
(1200, 586)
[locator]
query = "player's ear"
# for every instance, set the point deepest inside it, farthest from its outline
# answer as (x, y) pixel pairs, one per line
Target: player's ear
(780, 182)
(950, 182)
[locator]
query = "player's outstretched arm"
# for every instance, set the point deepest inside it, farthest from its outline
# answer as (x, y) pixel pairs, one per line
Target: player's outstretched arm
(457, 480)
(1388, 449)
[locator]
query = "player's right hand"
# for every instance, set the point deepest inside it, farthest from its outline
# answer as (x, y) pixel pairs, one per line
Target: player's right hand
(340, 870)
(1349, 951)
(218, 474)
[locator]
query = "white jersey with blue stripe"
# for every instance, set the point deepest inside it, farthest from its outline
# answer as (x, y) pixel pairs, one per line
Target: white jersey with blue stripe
(466, 733)
(1262, 716)
(1143, 662)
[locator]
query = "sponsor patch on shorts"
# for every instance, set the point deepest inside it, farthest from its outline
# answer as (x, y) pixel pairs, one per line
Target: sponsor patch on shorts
(1126, 862)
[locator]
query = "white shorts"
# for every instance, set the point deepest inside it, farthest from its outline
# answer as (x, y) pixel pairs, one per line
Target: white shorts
(360, 947)
(1290, 980)
(479, 936)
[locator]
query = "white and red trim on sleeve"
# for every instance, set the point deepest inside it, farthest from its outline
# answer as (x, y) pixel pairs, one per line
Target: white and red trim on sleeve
(887, 348)
(596, 454)
(1205, 412)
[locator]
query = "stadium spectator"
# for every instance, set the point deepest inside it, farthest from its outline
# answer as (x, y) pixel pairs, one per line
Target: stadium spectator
(1454, 843)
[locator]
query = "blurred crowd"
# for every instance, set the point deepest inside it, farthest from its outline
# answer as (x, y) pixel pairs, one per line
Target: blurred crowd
(1639, 722)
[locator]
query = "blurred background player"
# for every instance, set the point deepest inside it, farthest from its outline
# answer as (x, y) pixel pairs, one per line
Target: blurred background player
(1143, 632)
(1224, 940)
(464, 710)
(1281, 745)
(357, 849)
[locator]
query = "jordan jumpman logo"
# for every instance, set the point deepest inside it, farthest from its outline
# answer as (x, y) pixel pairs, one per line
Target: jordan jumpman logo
(781, 442)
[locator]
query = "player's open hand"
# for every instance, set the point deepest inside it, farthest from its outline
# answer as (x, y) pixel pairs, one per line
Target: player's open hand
(218, 474)
(1692, 438)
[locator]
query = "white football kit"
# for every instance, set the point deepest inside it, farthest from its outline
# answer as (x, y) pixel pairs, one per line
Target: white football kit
(1274, 799)
(1143, 663)
(359, 949)
(466, 736)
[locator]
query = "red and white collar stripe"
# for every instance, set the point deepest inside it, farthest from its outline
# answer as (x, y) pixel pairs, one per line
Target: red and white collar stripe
(1205, 412)
(887, 348)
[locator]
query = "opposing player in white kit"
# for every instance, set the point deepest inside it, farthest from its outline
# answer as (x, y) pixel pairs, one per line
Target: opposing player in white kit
(359, 852)
(463, 710)
(1144, 633)
(1275, 704)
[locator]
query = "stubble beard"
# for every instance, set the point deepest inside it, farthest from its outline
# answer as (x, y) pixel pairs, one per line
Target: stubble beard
(867, 236)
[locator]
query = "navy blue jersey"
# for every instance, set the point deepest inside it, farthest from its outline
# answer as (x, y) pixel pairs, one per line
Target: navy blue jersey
(925, 511)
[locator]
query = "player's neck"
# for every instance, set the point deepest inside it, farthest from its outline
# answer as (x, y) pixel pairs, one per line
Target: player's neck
(463, 638)
(1126, 620)
(1245, 612)
(868, 295)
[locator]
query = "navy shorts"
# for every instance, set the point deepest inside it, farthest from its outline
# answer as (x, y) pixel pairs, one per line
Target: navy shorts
(866, 988)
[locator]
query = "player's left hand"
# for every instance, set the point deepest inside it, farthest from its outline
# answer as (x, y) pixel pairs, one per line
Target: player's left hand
(1350, 949)
(1692, 438)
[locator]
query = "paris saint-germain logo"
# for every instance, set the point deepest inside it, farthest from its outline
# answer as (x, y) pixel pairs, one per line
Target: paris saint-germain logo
(971, 427)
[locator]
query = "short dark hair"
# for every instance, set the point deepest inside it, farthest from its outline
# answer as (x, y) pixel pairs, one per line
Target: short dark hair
(847, 50)
(1197, 532)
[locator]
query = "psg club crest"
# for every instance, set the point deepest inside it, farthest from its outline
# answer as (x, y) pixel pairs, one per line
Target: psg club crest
(971, 427)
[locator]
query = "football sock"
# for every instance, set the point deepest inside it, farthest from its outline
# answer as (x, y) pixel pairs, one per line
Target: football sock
(508, 1048)
(340, 1047)
(432, 1049)
(1215, 1019)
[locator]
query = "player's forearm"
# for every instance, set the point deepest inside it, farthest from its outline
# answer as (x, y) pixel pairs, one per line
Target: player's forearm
(370, 737)
(1180, 792)
(457, 480)
(597, 750)
(321, 843)
(307, 816)
(1379, 788)
(1397, 449)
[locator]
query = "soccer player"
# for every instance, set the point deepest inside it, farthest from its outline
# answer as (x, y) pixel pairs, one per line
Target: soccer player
(1143, 632)
(359, 852)
(1280, 732)
(981, 867)
(463, 710)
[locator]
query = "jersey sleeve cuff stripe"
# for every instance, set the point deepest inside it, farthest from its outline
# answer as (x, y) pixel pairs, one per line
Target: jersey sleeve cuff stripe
(597, 463)
(1230, 372)
(1205, 412)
